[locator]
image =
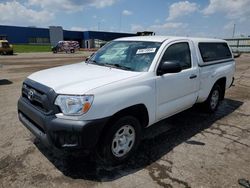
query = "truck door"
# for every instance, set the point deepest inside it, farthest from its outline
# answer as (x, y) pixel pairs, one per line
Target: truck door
(177, 91)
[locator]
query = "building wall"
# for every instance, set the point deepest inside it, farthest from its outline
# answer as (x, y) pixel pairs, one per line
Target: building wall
(56, 34)
(27, 35)
(91, 36)
(73, 35)
(21, 35)
(107, 36)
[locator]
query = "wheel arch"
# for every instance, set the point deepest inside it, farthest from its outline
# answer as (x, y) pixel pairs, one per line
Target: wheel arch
(222, 83)
(139, 111)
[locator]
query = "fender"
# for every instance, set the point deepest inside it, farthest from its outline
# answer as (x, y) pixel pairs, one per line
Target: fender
(118, 96)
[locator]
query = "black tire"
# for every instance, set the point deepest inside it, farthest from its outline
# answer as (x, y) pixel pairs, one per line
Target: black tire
(72, 51)
(11, 53)
(213, 100)
(106, 150)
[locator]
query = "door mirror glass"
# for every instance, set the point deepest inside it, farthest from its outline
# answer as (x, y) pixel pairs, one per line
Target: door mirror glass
(169, 67)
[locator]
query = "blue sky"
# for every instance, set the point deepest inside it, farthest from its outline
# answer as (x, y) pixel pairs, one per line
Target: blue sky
(210, 18)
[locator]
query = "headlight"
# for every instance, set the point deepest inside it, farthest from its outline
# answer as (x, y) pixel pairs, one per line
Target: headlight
(74, 105)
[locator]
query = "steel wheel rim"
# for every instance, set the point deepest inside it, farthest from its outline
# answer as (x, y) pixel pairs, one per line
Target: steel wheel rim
(123, 141)
(214, 99)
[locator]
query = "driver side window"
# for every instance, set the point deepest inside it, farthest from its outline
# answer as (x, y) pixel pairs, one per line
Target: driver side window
(178, 52)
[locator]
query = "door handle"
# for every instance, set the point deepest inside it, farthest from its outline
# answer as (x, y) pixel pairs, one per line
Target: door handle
(193, 76)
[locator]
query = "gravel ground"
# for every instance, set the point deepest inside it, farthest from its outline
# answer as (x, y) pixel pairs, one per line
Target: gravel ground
(200, 151)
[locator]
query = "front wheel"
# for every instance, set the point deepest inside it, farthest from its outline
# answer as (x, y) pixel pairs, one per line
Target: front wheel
(213, 100)
(121, 140)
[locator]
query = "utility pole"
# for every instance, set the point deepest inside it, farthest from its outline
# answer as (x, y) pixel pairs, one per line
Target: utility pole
(234, 30)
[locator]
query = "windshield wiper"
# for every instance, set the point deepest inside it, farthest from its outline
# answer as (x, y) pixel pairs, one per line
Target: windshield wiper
(109, 65)
(95, 62)
(92, 61)
(117, 66)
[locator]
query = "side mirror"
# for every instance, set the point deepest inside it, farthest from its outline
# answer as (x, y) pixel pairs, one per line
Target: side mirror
(236, 54)
(169, 67)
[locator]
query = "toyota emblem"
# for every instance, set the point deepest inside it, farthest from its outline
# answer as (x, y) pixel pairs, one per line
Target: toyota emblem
(31, 94)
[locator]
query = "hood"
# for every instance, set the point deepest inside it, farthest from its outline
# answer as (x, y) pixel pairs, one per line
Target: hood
(78, 79)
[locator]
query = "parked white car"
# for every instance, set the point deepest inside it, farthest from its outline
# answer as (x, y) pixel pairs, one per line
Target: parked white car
(126, 86)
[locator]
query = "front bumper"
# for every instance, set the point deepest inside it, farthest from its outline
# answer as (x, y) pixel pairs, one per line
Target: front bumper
(6, 51)
(60, 133)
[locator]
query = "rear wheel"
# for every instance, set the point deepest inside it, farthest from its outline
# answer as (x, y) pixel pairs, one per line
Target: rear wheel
(121, 140)
(213, 100)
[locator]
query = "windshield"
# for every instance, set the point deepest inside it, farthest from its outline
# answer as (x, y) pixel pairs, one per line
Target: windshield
(127, 55)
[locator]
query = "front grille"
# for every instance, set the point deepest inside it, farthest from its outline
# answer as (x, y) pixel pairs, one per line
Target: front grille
(35, 97)
(40, 96)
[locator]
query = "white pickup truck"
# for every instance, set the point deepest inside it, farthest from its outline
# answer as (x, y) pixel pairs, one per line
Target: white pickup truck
(126, 86)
